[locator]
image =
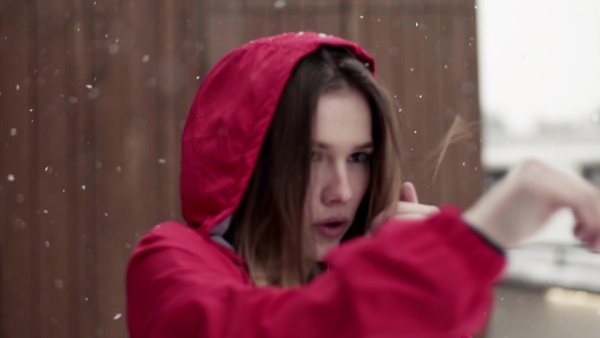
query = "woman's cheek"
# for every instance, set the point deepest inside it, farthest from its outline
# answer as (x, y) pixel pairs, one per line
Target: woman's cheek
(314, 184)
(360, 177)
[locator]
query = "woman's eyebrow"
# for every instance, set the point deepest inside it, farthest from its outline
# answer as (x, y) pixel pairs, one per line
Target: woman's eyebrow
(364, 146)
(321, 145)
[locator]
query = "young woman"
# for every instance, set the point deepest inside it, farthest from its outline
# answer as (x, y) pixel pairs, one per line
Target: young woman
(291, 147)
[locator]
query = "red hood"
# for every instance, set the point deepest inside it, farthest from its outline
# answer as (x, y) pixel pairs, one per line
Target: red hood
(230, 116)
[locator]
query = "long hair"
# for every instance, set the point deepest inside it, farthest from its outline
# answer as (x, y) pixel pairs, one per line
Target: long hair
(266, 228)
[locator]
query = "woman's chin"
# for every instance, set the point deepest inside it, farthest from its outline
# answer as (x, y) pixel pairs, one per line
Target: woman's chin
(323, 249)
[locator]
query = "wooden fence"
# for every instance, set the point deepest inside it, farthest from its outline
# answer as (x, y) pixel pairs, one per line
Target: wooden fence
(93, 98)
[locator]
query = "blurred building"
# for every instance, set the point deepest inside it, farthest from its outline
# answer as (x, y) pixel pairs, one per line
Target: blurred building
(551, 287)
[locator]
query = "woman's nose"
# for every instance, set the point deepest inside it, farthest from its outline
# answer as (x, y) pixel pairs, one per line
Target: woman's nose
(338, 190)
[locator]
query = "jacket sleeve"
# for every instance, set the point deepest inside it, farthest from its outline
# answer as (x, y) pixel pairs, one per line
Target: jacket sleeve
(430, 278)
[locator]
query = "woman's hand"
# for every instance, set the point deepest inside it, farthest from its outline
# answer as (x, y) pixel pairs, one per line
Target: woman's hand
(520, 204)
(407, 209)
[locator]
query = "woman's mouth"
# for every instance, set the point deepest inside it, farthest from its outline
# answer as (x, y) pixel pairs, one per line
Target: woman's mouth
(332, 227)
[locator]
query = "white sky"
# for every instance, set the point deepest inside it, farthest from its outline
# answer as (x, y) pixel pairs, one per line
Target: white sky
(539, 59)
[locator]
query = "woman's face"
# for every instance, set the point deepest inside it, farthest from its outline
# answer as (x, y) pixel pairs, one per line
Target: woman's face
(341, 149)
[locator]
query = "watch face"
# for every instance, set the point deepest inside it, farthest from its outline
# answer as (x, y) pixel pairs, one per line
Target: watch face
(592, 173)
(492, 176)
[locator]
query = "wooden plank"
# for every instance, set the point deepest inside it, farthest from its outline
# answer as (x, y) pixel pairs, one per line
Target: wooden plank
(376, 37)
(421, 42)
(254, 20)
(353, 12)
(275, 13)
(226, 28)
(466, 90)
(18, 203)
(410, 88)
(134, 149)
(82, 231)
(425, 132)
(52, 169)
(292, 16)
(197, 59)
(432, 122)
(460, 169)
(110, 95)
(143, 133)
(329, 17)
(448, 78)
(310, 20)
(173, 105)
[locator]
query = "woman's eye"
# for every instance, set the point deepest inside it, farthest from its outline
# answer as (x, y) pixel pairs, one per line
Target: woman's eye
(360, 157)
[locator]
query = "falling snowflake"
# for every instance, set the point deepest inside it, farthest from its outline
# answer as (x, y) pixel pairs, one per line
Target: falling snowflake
(279, 4)
(58, 284)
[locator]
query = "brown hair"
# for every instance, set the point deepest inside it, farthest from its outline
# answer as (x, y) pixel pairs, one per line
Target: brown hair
(266, 228)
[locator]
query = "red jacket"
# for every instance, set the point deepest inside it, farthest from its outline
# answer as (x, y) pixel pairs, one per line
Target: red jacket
(412, 279)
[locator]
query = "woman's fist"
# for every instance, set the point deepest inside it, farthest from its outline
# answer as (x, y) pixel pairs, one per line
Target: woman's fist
(408, 208)
(520, 204)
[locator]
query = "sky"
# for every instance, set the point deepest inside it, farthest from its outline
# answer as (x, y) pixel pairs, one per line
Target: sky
(539, 60)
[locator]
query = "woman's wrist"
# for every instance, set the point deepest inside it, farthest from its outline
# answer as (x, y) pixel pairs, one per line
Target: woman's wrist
(486, 238)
